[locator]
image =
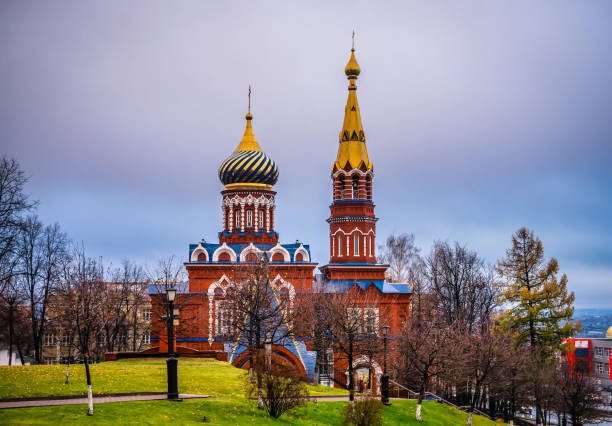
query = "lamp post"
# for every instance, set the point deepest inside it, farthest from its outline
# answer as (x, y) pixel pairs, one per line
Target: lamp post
(385, 379)
(171, 362)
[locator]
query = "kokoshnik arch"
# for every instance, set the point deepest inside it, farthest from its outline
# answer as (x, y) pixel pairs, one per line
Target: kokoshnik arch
(248, 228)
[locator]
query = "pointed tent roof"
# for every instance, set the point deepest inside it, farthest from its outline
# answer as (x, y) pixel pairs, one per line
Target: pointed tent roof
(352, 151)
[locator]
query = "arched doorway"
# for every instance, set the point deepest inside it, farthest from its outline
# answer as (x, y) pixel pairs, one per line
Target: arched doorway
(366, 372)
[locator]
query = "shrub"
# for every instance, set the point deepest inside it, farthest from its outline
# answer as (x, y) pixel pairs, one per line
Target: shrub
(281, 388)
(365, 412)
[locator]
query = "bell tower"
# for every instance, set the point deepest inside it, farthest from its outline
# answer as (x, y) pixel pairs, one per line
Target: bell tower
(352, 223)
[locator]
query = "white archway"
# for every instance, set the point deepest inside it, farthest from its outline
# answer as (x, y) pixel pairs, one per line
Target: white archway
(364, 361)
(247, 250)
(196, 253)
(224, 248)
(304, 253)
(280, 249)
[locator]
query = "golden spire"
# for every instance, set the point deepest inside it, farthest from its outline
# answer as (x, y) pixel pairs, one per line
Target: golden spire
(352, 150)
(248, 142)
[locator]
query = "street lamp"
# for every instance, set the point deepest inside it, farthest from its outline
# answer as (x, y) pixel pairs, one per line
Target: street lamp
(171, 362)
(385, 379)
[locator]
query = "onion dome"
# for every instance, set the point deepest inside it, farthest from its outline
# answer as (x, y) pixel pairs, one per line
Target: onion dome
(352, 151)
(248, 164)
(609, 333)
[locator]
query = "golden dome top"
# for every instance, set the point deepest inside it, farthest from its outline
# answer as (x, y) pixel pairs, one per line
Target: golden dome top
(609, 333)
(352, 68)
(248, 142)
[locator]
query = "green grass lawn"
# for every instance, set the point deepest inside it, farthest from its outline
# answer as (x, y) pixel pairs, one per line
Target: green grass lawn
(202, 376)
(196, 375)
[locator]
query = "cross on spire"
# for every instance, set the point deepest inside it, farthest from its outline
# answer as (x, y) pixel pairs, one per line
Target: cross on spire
(353, 47)
(249, 99)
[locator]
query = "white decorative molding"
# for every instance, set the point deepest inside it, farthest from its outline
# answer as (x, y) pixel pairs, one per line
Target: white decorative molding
(280, 249)
(196, 253)
(224, 248)
(352, 172)
(301, 249)
(223, 283)
(371, 231)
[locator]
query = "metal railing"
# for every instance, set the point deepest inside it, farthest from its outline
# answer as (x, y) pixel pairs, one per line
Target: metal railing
(431, 395)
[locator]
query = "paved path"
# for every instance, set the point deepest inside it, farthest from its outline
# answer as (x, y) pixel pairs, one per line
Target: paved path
(97, 400)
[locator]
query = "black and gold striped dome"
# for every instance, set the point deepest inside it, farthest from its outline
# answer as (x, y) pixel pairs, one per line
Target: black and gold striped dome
(248, 164)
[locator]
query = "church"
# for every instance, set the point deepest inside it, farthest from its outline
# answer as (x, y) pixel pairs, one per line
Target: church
(248, 227)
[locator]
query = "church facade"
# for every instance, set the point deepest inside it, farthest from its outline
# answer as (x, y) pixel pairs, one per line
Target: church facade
(248, 227)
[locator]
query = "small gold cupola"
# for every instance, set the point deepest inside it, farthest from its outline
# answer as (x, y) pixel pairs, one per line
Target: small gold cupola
(352, 152)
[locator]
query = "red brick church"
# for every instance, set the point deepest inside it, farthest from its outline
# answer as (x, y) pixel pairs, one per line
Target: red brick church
(248, 176)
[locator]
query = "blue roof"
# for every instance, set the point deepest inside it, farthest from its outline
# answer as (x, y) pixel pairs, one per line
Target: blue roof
(161, 288)
(340, 286)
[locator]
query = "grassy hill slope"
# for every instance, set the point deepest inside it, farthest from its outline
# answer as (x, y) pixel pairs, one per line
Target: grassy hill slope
(220, 380)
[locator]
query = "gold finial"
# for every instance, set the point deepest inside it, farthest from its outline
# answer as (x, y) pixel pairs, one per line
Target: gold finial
(352, 69)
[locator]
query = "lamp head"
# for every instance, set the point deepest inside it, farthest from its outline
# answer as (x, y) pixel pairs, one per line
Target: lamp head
(171, 294)
(385, 330)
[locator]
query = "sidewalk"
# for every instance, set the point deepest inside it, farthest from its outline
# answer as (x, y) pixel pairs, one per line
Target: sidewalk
(40, 402)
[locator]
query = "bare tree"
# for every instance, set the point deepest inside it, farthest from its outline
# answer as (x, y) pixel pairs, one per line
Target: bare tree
(345, 321)
(13, 204)
(13, 316)
(259, 315)
(580, 396)
(463, 286)
(122, 296)
(81, 304)
(426, 341)
(400, 253)
(41, 249)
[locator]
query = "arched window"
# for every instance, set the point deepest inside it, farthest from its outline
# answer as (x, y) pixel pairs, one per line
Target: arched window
(340, 245)
(260, 218)
(341, 190)
(371, 246)
(356, 244)
(249, 219)
(355, 187)
(368, 188)
(238, 219)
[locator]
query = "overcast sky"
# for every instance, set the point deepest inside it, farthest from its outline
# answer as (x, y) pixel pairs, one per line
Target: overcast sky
(480, 117)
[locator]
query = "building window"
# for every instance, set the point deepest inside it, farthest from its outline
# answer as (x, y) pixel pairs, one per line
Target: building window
(365, 249)
(147, 314)
(249, 218)
(49, 339)
(261, 219)
(339, 245)
(341, 191)
(66, 340)
(368, 188)
(356, 245)
(146, 338)
(224, 318)
(237, 219)
(599, 352)
(371, 246)
(600, 367)
(355, 187)
(50, 361)
(355, 320)
(370, 319)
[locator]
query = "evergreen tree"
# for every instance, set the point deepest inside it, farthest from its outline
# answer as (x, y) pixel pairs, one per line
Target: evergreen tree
(539, 307)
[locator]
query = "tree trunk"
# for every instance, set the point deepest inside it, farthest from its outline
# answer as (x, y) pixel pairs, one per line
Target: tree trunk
(11, 334)
(351, 380)
(89, 392)
(469, 421)
(418, 408)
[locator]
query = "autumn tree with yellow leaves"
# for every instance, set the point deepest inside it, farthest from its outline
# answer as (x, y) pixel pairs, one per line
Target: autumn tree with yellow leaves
(538, 305)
